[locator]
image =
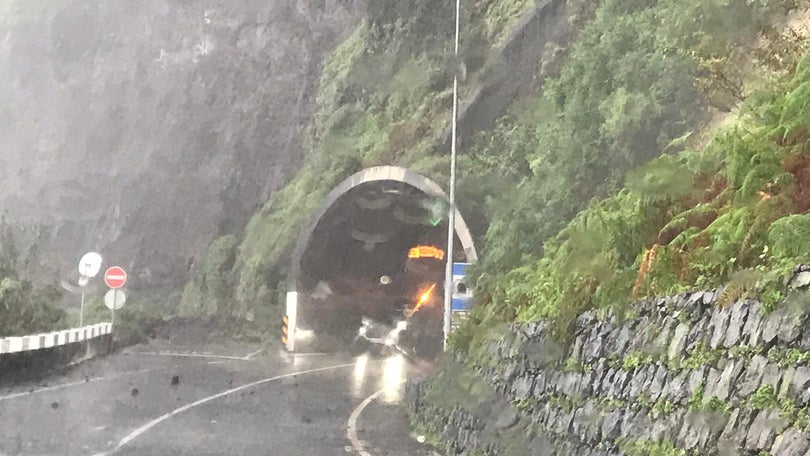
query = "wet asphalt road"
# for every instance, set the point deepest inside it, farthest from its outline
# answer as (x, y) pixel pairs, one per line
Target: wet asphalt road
(155, 400)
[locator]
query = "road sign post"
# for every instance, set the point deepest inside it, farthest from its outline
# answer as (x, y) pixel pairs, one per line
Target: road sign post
(115, 278)
(114, 300)
(89, 266)
(462, 295)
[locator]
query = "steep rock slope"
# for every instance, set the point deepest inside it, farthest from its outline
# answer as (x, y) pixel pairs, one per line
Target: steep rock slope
(144, 129)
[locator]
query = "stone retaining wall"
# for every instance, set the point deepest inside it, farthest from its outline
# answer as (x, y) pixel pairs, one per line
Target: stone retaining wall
(681, 377)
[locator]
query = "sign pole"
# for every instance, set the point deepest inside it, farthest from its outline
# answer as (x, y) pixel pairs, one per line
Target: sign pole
(89, 265)
(451, 220)
(115, 278)
(81, 311)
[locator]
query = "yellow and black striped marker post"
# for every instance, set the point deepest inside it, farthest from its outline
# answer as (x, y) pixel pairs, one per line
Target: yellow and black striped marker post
(285, 331)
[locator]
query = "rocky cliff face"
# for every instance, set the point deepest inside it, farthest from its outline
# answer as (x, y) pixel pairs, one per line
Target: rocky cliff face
(681, 377)
(144, 129)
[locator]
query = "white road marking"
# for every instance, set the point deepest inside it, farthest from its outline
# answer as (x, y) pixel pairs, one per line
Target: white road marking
(201, 355)
(71, 384)
(254, 354)
(351, 426)
(190, 355)
(146, 427)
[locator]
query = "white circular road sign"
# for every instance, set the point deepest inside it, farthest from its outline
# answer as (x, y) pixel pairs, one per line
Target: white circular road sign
(90, 264)
(115, 298)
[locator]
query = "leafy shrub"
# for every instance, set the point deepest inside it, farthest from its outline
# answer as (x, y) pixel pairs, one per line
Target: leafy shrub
(725, 214)
(788, 238)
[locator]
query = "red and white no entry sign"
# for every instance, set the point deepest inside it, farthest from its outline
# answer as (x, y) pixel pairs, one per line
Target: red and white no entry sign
(115, 277)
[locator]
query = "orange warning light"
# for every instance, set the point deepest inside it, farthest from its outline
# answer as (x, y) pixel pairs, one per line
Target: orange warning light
(424, 298)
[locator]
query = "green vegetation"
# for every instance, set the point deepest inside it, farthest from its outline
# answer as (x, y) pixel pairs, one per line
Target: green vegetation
(23, 309)
(695, 402)
(802, 419)
(134, 323)
(662, 407)
(560, 401)
(212, 290)
(600, 189)
(650, 448)
(715, 404)
(498, 15)
(789, 358)
(635, 360)
(457, 385)
(609, 403)
(26, 310)
(764, 397)
(384, 98)
(702, 355)
(574, 365)
(727, 212)
(643, 401)
(745, 351)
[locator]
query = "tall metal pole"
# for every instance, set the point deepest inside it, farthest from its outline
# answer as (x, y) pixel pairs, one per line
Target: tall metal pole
(83, 281)
(451, 218)
(81, 311)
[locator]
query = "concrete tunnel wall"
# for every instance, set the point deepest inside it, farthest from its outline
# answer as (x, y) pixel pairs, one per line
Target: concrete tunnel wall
(374, 174)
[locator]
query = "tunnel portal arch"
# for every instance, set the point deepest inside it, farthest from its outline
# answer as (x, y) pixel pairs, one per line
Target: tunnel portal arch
(365, 176)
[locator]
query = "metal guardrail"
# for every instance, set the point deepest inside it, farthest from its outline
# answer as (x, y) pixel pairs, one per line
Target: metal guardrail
(53, 339)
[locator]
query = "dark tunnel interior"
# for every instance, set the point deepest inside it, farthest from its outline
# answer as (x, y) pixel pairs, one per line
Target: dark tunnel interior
(357, 265)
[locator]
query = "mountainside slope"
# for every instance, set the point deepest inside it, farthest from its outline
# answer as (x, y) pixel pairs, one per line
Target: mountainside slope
(145, 129)
(384, 99)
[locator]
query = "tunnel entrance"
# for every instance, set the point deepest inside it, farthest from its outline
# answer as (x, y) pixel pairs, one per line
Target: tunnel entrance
(374, 249)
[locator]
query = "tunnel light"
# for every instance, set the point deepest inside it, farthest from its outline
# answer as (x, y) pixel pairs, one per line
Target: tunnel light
(362, 331)
(304, 334)
(373, 204)
(409, 219)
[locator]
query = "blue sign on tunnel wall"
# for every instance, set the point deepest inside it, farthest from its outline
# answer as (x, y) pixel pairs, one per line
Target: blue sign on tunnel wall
(462, 293)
